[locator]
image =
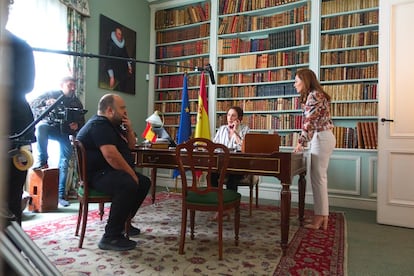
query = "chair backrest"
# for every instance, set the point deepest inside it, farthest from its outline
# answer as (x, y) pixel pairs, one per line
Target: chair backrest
(80, 155)
(200, 154)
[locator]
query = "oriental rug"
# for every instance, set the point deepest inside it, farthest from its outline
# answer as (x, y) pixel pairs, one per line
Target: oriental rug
(310, 252)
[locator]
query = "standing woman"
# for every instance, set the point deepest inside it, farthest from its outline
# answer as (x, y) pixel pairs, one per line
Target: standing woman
(317, 130)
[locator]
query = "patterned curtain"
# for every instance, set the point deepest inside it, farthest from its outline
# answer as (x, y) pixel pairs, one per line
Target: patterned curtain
(81, 6)
(76, 43)
(76, 13)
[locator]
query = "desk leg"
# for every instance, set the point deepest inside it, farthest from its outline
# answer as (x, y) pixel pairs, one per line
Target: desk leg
(285, 199)
(302, 190)
(153, 183)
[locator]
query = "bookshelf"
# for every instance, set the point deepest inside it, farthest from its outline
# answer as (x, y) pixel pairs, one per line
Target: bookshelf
(260, 47)
(349, 69)
(182, 36)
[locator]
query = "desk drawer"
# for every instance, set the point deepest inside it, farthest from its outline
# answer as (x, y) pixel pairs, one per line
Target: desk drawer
(149, 159)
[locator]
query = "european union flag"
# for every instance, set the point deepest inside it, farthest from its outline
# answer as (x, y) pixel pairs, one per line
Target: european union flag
(184, 128)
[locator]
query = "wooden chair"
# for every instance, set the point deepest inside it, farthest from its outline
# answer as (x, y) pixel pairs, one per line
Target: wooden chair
(252, 181)
(196, 152)
(87, 194)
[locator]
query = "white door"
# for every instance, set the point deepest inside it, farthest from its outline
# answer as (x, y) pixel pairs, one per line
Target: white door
(396, 103)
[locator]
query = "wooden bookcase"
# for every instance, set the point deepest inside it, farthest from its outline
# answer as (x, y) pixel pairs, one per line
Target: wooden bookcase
(259, 50)
(182, 36)
(349, 69)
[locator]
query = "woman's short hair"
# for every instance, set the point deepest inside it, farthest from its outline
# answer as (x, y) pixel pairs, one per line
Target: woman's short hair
(239, 111)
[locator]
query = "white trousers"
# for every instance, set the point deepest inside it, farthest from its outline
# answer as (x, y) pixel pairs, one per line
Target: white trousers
(321, 147)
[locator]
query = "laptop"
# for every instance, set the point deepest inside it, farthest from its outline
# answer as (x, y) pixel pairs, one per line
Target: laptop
(261, 143)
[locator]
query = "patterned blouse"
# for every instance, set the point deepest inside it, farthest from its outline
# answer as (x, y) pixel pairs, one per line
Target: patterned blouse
(316, 116)
(222, 136)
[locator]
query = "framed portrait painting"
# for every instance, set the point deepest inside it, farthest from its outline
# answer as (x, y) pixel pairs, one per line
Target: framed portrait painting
(119, 42)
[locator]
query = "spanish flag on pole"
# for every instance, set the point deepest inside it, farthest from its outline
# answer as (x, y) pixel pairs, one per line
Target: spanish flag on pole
(149, 134)
(202, 129)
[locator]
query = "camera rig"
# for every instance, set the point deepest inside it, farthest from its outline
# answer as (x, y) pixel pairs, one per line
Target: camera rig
(22, 157)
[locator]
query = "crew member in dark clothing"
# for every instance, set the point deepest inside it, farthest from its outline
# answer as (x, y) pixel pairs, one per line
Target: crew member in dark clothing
(21, 74)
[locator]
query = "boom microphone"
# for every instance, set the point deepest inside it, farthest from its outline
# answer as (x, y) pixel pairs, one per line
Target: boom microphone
(89, 55)
(211, 73)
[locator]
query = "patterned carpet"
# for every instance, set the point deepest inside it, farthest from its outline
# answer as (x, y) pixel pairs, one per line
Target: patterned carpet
(310, 252)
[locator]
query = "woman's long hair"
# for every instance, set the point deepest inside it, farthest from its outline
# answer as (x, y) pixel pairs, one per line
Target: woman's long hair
(311, 83)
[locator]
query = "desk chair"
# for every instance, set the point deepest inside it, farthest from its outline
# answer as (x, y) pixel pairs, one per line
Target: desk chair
(252, 181)
(87, 194)
(196, 152)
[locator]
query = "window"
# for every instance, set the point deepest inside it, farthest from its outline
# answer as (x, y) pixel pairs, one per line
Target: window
(42, 23)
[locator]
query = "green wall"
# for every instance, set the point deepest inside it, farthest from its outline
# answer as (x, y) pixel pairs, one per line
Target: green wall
(135, 15)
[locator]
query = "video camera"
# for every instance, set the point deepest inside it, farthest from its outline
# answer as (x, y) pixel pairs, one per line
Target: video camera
(63, 114)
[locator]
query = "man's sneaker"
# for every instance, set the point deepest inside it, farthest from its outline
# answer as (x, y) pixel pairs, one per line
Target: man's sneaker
(63, 203)
(40, 166)
(133, 231)
(117, 244)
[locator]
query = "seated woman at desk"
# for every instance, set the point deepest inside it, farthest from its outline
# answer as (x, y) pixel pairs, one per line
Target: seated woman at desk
(231, 135)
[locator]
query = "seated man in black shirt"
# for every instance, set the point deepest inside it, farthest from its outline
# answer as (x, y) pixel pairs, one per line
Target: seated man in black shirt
(111, 168)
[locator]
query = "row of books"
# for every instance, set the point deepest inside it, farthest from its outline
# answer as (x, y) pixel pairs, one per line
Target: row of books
(178, 66)
(349, 20)
(253, 61)
(173, 95)
(352, 91)
(354, 109)
(237, 45)
(182, 15)
(171, 121)
(268, 76)
(262, 105)
(235, 6)
(289, 139)
(350, 56)
(285, 89)
(195, 32)
(335, 41)
(176, 81)
(185, 49)
(174, 106)
(237, 91)
(244, 23)
(291, 38)
(349, 73)
(364, 136)
(257, 121)
(337, 6)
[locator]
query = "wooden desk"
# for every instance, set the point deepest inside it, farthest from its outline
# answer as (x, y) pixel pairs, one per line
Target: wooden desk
(282, 165)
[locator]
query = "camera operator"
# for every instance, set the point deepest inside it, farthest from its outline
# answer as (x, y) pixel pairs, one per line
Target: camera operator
(58, 125)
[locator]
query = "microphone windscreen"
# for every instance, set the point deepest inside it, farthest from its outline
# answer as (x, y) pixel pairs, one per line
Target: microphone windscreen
(211, 73)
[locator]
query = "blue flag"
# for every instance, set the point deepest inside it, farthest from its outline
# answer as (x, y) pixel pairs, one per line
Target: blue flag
(184, 128)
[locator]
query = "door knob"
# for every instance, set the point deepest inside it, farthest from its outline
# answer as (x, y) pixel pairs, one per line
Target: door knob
(386, 120)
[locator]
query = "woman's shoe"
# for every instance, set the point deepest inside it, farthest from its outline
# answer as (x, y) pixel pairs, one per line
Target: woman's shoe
(318, 222)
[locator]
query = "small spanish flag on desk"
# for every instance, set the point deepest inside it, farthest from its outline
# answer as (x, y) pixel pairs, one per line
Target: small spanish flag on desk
(149, 134)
